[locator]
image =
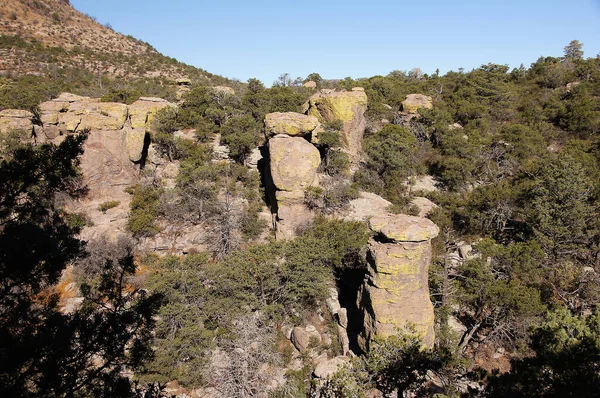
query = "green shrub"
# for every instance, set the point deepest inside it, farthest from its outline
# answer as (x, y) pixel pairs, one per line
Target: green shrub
(104, 206)
(143, 214)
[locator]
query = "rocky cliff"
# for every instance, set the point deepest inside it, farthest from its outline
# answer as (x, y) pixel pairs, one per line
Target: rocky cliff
(114, 152)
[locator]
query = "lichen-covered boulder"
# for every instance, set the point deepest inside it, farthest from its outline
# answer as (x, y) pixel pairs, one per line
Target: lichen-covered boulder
(103, 116)
(135, 140)
(404, 228)
(293, 162)
(348, 107)
(413, 102)
(290, 123)
(142, 111)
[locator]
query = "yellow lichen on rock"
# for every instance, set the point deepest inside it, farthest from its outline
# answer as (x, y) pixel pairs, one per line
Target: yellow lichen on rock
(290, 123)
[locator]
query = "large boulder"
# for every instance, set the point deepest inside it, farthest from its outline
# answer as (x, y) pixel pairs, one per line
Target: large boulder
(366, 206)
(404, 228)
(290, 123)
(348, 107)
(327, 368)
(413, 102)
(294, 163)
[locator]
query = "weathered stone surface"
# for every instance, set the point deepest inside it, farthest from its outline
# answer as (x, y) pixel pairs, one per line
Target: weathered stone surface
(301, 337)
(290, 123)
(366, 206)
(253, 159)
(142, 111)
(310, 84)
(69, 121)
(135, 143)
(395, 294)
(424, 183)
(404, 228)
(291, 216)
(293, 162)
(327, 368)
(413, 102)
(103, 116)
(424, 205)
(15, 119)
(348, 107)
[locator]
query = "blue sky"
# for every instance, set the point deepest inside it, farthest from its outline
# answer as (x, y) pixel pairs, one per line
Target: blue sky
(337, 38)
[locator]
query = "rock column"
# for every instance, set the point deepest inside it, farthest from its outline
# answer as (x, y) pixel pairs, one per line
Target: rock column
(293, 163)
(395, 294)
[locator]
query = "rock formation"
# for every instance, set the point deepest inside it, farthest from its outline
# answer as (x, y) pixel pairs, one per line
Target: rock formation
(348, 107)
(413, 102)
(13, 119)
(113, 151)
(293, 164)
(290, 123)
(395, 294)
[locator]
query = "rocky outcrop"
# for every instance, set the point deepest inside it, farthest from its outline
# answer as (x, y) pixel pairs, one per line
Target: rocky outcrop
(395, 294)
(290, 123)
(293, 164)
(113, 151)
(413, 102)
(348, 107)
(14, 119)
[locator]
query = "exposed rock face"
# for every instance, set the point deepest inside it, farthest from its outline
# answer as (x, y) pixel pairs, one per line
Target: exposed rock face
(301, 337)
(366, 206)
(290, 123)
(142, 111)
(310, 84)
(348, 107)
(395, 293)
(424, 205)
(14, 119)
(115, 145)
(413, 102)
(293, 164)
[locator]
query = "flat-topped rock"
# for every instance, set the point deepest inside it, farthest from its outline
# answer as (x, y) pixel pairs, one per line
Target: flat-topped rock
(153, 99)
(367, 205)
(290, 123)
(16, 113)
(404, 228)
(68, 97)
(413, 102)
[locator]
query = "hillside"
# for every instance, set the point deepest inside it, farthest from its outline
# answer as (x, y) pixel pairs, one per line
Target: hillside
(43, 42)
(399, 235)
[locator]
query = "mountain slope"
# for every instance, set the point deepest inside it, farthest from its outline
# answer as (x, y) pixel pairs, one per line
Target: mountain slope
(41, 36)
